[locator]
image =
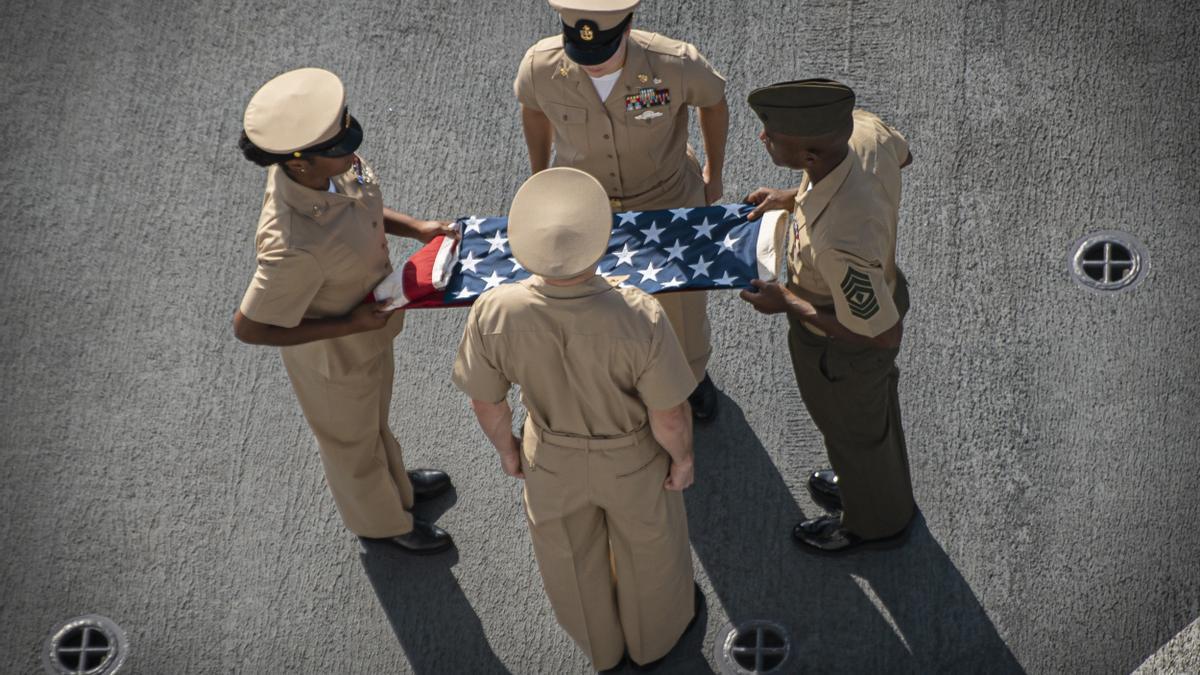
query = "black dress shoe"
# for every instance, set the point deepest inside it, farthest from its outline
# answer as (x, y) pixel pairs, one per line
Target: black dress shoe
(825, 535)
(704, 400)
(823, 487)
(428, 483)
(425, 539)
(698, 598)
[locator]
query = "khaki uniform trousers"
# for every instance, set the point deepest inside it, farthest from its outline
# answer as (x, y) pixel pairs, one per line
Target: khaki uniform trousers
(851, 393)
(364, 467)
(687, 310)
(611, 542)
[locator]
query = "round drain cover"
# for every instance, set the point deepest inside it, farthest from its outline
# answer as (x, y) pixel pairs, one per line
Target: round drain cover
(1109, 261)
(86, 645)
(752, 647)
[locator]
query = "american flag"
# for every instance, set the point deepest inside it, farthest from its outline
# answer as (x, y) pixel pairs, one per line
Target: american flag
(681, 249)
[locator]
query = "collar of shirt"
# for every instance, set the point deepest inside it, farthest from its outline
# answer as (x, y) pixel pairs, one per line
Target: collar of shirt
(814, 198)
(635, 64)
(310, 202)
(594, 286)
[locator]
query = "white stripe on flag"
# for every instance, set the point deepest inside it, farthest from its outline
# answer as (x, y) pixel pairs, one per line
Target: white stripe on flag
(770, 243)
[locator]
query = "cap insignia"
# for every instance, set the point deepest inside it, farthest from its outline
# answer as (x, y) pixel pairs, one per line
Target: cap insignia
(586, 33)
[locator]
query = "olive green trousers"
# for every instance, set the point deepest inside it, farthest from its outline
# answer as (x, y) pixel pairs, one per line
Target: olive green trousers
(851, 394)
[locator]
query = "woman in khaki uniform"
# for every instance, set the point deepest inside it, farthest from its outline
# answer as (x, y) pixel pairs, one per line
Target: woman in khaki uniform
(321, 250)
(607, 447)
(614, 102)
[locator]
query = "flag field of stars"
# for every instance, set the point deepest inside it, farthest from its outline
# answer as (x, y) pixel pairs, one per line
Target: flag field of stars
(657, 251)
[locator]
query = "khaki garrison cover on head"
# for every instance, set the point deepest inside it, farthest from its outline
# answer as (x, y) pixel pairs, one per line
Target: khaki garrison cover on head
(296, 110)
(804, 107)
(559, 223)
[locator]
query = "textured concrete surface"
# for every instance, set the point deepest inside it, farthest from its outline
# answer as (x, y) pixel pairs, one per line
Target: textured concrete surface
(1180, 655)
(159, 472)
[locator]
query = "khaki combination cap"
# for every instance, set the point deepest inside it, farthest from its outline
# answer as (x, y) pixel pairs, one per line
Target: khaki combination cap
(592, 29)
(559, 223)
(302, 111)
(804, 107)
(604, 14)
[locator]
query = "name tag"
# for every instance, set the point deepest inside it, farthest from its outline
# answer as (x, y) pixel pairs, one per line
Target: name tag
(647, 98)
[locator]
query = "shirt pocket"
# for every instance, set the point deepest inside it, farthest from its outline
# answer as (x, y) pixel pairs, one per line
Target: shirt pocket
(570, 126)
(650, 129)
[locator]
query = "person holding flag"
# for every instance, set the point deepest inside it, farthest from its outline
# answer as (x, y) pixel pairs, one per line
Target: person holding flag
(321, 248)
(845, 301)
(613, 102)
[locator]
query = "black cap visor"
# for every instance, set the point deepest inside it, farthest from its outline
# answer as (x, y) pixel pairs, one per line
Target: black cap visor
(600, 48)
(341, 145)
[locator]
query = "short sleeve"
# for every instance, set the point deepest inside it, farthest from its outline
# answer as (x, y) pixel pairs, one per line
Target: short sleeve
(861, 296)
(896, 143)
(475, 372)
(703, 85)
(667, 379)
(523, 85)
(283, 287)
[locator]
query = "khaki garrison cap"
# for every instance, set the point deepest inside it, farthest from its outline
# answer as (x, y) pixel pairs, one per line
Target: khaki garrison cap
(804, 107)
(559, 223)
(302, 110)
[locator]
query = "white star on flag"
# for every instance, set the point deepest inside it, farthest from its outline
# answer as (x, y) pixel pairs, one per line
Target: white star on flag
(727, 245)
(497, 242)
(624, 256)
(629, 217)
(704, 229)
(725, 279)
(516, 265)
(494, 280)
(675, 282)
(652, 233)
(732, 210)
(700, 269)
(675, 251)
(651, 272)
(679, 214)
(465, 293)
(473, 224)
(471, 262)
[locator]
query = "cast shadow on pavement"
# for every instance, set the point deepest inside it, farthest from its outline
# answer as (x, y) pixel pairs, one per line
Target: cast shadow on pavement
(431, 617)
(906, 610)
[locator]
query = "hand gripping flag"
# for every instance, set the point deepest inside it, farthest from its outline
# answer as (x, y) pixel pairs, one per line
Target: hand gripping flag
(696, 249)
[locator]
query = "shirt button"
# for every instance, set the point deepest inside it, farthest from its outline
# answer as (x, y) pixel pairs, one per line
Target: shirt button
(374, 224)
(565, 118)
(610, 156)
(613, 174)
(606, 137)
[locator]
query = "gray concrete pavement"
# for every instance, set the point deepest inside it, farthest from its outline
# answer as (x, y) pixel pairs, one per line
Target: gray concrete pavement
(158, 472)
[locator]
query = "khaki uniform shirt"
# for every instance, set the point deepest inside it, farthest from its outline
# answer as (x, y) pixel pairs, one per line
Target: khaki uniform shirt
(636, 140)
(842, 243)
(319, 255)
(590, 358)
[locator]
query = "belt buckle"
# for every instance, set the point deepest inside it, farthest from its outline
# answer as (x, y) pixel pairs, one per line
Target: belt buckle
(615, 203)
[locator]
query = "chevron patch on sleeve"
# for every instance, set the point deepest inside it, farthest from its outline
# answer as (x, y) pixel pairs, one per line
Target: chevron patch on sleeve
(860, 294)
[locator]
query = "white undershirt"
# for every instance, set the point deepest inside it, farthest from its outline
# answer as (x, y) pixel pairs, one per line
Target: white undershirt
(332, 187)
(605, 83)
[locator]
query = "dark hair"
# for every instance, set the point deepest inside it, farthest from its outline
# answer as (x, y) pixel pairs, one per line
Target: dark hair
(258, 155)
